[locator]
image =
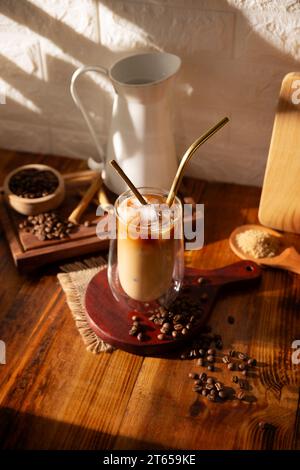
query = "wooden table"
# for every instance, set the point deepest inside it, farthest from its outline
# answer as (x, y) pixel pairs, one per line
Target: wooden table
(55, 395)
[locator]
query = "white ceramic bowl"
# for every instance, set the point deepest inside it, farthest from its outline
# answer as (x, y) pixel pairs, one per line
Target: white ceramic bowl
(35, 206)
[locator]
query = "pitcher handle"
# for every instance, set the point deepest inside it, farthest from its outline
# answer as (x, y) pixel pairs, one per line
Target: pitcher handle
(78, 102)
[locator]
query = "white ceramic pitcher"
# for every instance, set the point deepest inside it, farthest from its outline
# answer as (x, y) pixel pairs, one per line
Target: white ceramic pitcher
(140, 138)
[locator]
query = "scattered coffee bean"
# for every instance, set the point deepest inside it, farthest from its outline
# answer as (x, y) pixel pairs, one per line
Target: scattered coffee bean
(230, 320)
(242, 366)
(200, 361)
(183, 356)
(136, 323)
(210, 359)
(252, 362)
(197, 388)
(175, 334)
(219, 386)
(263, 425)
(161, 336)
(140, 336)
(243, 384)
(133, 331)
(244, 372)
(193, 375)
(232, 353)
(202, 352)
(210, 380)
(213, 392)
(230, 366)
(222, 394)
(241, 395)
(210, 367)
(204, 392)
(134, 318)
(184, 331)
(203, 376)
(242, 356)
(235, 379)
(211, 352)
(226, 359)
(211, 398)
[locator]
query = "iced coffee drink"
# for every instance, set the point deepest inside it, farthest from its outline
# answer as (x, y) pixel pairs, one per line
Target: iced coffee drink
(149, 246)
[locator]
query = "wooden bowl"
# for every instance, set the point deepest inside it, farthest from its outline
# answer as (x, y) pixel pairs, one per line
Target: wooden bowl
(35, 206)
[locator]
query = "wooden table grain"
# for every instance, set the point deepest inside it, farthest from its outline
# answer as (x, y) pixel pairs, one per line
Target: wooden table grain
(56, 395)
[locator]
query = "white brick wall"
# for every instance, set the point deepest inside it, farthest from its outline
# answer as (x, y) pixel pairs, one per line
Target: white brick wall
(234, 53)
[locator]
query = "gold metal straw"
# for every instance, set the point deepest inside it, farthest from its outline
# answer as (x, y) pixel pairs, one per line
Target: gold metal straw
(188, 155)
(128, 182)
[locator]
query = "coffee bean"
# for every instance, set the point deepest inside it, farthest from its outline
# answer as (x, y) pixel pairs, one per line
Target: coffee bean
(136, 323)
(242, 366)
(242, 356)
(241, 395)
(161, 336)
(202, 352)
(210, 380)
(219, 386)
(232, 353)
(140, 336)
(184, 331)
(210, 397)
(183, 356)
(213, 393)
(203, 376)
(178, 327)
(245, 373)
(197, 382)
(222, 394)
(204, 392)
(193, 375)
(177, 318)
(209, 386)
(210, 359)
(226, 359)
(210, 368)
(32, 183)
(188, 326)
(235, 379)
(252, 362)
(211, 352)
(134, 318)
(230, 366)
(243, 384)
(200, 361)
(197, 388)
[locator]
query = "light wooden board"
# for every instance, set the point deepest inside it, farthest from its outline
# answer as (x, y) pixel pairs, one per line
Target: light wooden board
(280, 201)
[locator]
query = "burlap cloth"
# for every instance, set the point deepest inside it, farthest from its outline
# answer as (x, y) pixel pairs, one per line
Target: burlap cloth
(74, 281)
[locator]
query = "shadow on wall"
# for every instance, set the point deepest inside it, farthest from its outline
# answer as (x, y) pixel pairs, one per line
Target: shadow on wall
(228, 69)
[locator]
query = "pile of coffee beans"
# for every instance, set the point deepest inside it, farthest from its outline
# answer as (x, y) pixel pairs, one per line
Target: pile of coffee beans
(234, 360)
(208, 387)
(33, 183)
(178, 320)
(137, 328)
(47, 226)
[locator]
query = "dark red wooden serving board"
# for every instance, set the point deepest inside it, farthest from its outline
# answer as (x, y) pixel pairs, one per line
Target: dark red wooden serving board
(111, 320)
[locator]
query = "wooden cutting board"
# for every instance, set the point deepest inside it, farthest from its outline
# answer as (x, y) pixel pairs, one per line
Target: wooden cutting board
(280, 200)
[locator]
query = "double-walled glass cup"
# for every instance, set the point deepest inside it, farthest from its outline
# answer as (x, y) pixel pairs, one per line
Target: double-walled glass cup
(146, 258)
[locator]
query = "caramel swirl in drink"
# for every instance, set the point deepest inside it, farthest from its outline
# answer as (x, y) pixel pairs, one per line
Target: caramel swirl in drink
(148, 244)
